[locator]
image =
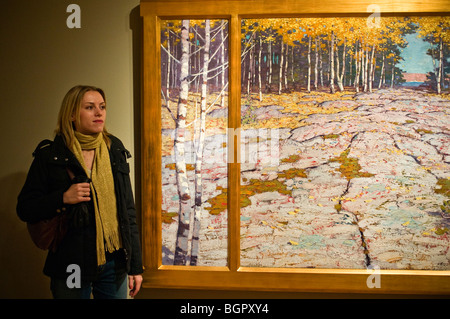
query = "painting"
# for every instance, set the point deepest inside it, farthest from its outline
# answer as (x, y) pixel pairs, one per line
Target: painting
(344, 143)
(360, 123)
(194, 64)
(289, 148)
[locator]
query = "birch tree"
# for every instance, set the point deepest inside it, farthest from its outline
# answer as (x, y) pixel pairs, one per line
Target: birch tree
(332, 89)
(199, 151)
(280, 71)
(181, 246)
(343, 33)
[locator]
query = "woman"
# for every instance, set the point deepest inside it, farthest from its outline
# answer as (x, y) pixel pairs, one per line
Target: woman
(83, 175)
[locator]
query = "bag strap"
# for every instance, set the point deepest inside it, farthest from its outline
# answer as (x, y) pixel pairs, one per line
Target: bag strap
(71, 175)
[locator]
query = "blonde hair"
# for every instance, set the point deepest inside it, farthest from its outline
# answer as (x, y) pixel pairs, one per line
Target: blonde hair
(70, 106)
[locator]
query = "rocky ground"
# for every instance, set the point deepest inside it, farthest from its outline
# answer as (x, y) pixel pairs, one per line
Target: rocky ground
(351, 183)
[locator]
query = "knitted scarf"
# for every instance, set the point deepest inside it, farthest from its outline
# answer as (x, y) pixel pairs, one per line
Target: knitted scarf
(102, 193)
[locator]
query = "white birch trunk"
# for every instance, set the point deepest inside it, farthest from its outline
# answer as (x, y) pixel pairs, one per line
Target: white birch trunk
(270, 57)
(372, 68)
(357, 65)
(308, 85)
(280, 81)
(380, 83)
(199, 151)
(350, 65)
(337, 72)
(340, 77)
(169, 66)
(222, 60)
(366, 65)
(292, 67)
(316, 65)
(320, 64)
(181, 246)
(440, 66)
(286, 68)
(393, 73)
(259, 69)
(332, 89)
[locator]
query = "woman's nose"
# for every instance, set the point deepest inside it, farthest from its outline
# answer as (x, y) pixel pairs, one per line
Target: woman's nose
(98, 111)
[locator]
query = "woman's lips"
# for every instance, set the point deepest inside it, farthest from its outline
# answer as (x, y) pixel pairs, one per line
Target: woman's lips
(98, 121)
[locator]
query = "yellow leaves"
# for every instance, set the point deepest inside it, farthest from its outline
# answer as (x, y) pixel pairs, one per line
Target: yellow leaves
(395, 151)
(436, 230)
(294, 105)
(284, 122)
(351, 29)
(168, 217)
(441, 231)
(293, 243)
(436, 27)
(394, 259)
(274, 224)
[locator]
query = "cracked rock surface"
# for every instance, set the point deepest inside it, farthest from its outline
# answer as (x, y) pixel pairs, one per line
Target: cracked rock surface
(370, 190)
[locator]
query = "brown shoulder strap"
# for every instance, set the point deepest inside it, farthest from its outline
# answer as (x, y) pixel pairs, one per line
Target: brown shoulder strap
(71, 175)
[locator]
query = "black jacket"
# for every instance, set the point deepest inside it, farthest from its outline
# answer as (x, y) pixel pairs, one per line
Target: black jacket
(42, 198)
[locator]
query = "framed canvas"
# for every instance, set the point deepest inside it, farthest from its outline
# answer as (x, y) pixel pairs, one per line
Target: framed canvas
(289, 146)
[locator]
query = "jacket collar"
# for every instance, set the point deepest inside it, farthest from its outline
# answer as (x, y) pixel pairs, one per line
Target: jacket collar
(62, 155)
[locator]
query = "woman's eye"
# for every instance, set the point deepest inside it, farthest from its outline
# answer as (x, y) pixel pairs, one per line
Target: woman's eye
(91, 107)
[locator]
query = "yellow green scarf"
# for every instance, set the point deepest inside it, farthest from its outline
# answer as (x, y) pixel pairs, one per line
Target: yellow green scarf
(102, 193)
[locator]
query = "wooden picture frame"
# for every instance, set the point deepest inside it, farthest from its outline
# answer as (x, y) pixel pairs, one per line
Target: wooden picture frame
(233, 276)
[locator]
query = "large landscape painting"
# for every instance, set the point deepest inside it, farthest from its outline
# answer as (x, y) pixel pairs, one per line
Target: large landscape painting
(344, 142)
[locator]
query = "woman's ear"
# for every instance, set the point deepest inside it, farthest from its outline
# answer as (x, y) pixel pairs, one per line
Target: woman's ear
(73, 120)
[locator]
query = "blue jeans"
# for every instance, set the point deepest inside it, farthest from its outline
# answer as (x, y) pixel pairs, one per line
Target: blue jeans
(107, 285)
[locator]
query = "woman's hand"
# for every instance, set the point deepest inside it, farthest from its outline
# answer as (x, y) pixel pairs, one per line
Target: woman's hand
(134, 283)
(77, 193)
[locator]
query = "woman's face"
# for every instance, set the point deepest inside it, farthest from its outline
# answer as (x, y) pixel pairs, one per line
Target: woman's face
(92, 114)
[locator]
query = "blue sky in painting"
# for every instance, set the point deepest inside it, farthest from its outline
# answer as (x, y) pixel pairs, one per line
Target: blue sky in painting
(416, 59)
